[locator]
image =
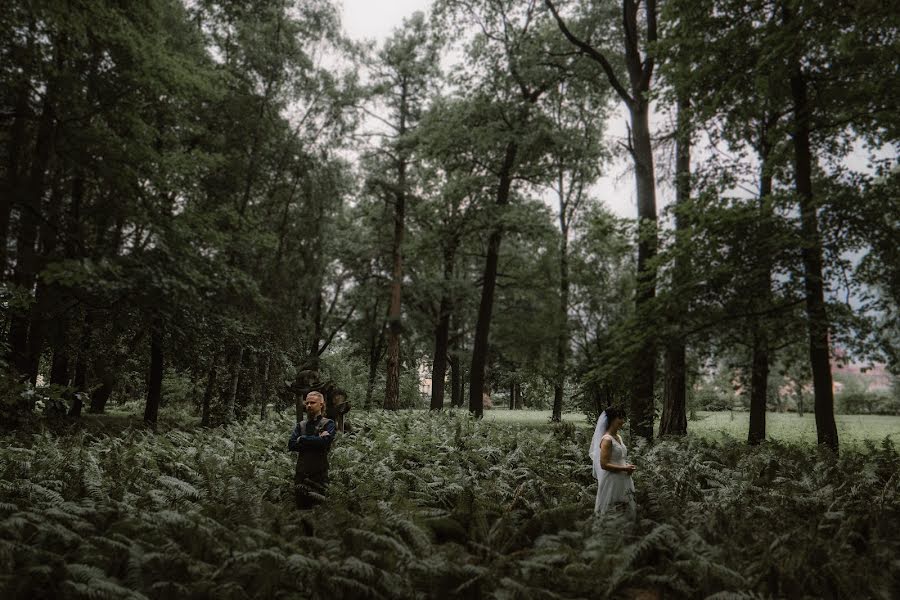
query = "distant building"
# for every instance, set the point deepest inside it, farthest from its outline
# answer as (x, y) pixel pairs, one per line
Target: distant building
(873, 376)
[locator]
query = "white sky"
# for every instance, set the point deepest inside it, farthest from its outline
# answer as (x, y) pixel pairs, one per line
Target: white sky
(375, 19)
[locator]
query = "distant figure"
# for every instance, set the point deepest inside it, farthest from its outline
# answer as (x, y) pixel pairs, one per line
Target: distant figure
(613, 473)
(312, 439)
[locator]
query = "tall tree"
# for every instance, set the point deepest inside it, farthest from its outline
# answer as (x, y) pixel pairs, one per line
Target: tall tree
(574, 110)
(674, 413)
(406, 70)
(813, 271)
(508, 76)
(639, 64)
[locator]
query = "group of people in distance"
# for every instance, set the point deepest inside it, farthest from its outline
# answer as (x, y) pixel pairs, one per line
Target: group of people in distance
(324, 407)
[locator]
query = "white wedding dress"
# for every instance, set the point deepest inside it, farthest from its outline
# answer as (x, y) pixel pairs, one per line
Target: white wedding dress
(613, 487)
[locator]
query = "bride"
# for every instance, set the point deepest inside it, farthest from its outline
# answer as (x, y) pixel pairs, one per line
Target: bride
(613, 473)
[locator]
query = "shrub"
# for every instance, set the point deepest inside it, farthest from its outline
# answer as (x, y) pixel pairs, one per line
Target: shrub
(866, 403)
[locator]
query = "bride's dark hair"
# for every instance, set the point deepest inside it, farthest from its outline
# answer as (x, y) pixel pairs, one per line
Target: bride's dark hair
(613, 413)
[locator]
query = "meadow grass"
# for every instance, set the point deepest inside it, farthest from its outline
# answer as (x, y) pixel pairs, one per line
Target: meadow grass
(531, 417)
(724, 425)
(789, 427)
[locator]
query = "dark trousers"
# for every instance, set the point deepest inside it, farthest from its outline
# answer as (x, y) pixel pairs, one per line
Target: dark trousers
(309, 487)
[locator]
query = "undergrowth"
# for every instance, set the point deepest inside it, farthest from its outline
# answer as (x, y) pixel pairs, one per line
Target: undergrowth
(439, 506)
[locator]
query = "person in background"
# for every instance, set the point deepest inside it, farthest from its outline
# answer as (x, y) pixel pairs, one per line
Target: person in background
(312, 439)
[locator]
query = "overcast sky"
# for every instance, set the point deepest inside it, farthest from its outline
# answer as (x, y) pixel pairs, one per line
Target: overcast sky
(375, 19)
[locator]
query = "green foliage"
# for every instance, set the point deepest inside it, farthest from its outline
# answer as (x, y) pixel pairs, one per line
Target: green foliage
(438, 505)
(866, 403)
(179, 389)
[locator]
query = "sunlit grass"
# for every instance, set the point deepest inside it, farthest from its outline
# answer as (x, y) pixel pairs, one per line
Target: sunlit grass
(530, 417)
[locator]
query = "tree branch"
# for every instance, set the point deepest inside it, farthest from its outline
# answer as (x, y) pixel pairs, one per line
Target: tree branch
(592, 53)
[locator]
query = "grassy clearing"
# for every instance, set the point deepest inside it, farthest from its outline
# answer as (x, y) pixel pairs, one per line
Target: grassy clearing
(788, 427)
(853, 430)
(530, 418)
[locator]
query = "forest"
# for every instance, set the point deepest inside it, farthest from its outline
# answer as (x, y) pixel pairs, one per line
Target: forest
(480, 231)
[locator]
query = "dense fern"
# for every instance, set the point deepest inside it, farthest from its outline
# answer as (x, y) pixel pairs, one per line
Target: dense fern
(439, 505)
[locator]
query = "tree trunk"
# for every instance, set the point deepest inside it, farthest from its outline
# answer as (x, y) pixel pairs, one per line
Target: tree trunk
(644, 361)
(759, 380)
(462, 390)
(37, 329)
(816, 314)
(442, 336)
(392, 383)
(265, 387)
(562, 340)
(456, 398)
(674, 415)
(25, 271)
(154, 381)
(101, 396)
(45, 294)
(15, 149)
(376, 341)
(59, 365)
(760, 360)
(208, 393)
(518, 391)
(640, 72)
(233, 388)
(317, 326)
(489, 282)
(79, 382)
(105, 365)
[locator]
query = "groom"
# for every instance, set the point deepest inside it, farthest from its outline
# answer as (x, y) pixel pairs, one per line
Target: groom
(312, 439)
